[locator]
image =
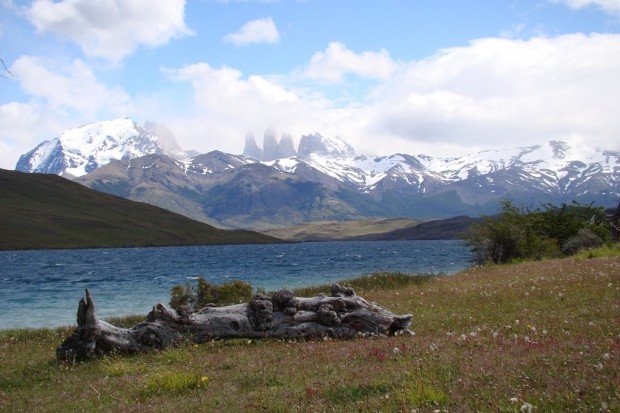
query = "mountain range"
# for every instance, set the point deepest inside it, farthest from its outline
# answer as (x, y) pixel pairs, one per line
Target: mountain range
(324, 179)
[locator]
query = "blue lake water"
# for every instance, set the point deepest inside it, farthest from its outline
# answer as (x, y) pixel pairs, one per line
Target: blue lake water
(42, 288)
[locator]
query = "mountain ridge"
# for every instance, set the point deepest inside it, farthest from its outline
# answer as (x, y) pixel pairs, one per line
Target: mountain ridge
(326, 180)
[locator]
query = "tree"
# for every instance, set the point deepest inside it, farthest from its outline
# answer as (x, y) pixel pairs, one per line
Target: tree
(6, 69)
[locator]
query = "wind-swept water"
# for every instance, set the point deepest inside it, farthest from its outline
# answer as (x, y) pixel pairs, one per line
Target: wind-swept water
(42, 288)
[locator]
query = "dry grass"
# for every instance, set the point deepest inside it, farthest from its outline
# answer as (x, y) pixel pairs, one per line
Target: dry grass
(488, 339)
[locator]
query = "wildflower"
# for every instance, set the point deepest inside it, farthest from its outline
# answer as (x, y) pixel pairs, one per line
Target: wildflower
(395, 350)
(527, 408)
(517, 322)
(463, 337)
(204, 379)
(495, 334)
(604, 406)
(513, 400)
(606, 356)
(598, 366)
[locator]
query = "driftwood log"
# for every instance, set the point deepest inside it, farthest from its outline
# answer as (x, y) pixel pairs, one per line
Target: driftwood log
(342, 315)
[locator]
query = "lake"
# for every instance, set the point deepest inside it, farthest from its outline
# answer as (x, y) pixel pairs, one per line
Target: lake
(42, 288)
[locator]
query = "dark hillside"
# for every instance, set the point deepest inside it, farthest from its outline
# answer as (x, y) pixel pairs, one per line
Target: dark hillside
(46, 211)
(450, 228)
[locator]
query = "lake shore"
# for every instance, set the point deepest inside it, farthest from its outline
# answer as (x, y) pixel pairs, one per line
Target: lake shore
(495, 338)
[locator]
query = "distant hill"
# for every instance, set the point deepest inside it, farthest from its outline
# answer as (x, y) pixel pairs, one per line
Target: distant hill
(450, 228)
(338, 230)
(46, 212)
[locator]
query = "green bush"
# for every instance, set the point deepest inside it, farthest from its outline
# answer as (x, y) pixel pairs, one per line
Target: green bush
(585, 239)
(518, 234)
(204, 292)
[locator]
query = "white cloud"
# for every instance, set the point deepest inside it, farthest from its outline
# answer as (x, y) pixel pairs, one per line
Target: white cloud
(24, 126)
(228, 104)
(61, 97)
(337, 60)
(506, 91)
(111, 28)
(255, 31)
(493, 92)
(73, 87)
(608, 6)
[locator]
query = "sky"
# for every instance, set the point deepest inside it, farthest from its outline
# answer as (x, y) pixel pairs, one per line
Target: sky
(443, 78)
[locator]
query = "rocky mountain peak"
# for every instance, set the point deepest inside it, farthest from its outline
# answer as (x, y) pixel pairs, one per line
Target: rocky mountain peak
(324, 146)
(285, 147)
(270, 145)
(251, 149)
(80, 150)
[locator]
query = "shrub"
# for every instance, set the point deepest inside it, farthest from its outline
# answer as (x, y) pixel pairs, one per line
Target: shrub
(205, 292)
(585, 239)
(519, 234)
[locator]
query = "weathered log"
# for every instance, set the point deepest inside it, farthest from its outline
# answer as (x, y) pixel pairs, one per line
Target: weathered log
(342, 315)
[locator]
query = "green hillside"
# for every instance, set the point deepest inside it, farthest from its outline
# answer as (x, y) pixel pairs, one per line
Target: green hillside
(46, 211)
(338, 230)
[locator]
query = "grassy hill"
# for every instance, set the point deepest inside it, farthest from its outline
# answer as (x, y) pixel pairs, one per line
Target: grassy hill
(449, 228)
(496, 338)
(47, 211)
(336, 230)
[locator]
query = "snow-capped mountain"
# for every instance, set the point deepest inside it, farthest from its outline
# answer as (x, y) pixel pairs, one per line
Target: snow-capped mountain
(323, 179)
(553, 167)
(81, 150)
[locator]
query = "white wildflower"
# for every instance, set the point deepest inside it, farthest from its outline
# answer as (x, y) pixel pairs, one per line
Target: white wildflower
(513, 400)
(604, 406)
(495, 334)
(527, 408)
(598, 366)
(606, 356)
(395, 350)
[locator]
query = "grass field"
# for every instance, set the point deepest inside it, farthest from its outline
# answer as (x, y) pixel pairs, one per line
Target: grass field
(538, 336)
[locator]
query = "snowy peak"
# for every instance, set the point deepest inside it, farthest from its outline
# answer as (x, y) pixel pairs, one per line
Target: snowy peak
(318, 144)
(80, 150)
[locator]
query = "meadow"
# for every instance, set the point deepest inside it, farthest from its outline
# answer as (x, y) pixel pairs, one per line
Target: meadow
(535, 336)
